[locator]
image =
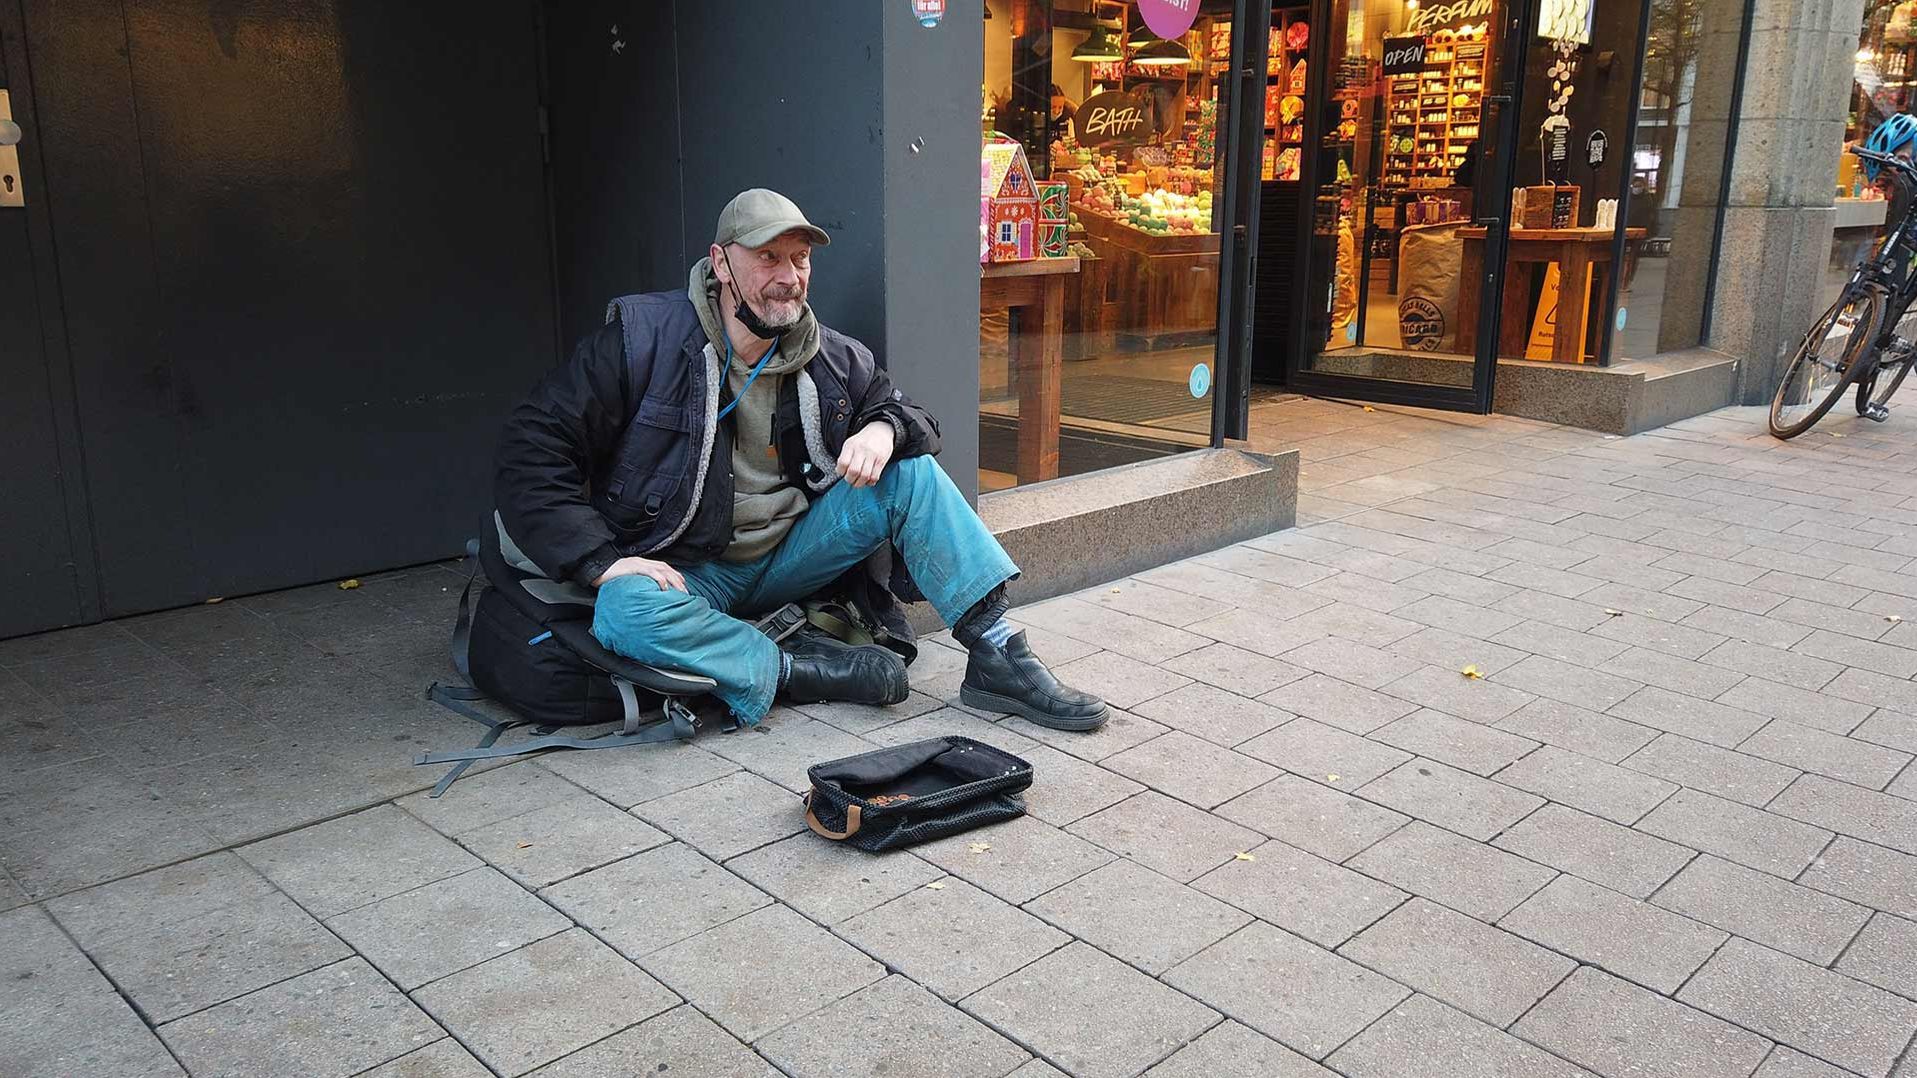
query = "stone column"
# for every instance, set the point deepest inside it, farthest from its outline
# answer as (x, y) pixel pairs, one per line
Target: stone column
(1779, 215)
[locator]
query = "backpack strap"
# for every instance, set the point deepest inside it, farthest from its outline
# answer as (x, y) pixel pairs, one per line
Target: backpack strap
(463, 626)
(676, 724)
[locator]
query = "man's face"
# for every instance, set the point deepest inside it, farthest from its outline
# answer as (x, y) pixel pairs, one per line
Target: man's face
(773, 279)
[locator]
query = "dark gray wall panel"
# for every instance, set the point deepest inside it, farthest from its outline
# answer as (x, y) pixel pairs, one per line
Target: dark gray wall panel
(303, 288)
(930, 139)
(41, 588)
(126, 380)
(793, 104)
(614, 95)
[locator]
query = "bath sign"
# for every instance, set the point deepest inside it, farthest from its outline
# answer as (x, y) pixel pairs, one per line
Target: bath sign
(1111, 117)
(1169, 18)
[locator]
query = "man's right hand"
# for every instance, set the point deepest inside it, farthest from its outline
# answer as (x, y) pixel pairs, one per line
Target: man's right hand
(658, 572)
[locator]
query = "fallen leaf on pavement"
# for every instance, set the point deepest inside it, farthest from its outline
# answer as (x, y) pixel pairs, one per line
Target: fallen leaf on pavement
(1246, 857)
(1333, 778)
(1892, 617)
(348, 585)
(1614, 613)
(936, 885)
(980, 847)
(525, 845)
(1472, 672)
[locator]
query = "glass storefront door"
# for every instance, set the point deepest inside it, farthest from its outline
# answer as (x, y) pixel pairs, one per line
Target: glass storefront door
(1408, 124)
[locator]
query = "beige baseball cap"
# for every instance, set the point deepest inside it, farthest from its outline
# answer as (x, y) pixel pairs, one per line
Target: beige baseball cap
(757, 217)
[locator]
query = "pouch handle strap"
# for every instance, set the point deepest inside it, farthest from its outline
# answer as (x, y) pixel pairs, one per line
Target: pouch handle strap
(851, 821)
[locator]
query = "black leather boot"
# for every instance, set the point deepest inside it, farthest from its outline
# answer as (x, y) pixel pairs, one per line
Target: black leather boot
(825, 669)
(1011, 680)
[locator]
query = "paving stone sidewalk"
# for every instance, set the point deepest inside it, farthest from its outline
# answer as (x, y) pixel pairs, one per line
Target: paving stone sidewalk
(1666, 824)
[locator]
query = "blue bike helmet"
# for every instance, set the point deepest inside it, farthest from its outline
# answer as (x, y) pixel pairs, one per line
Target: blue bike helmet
(1889, 137)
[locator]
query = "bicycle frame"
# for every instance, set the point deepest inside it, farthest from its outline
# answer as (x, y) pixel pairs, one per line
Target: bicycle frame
(1884, 269)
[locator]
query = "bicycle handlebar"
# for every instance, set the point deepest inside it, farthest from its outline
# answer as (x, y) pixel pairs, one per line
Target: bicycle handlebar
(1902, 165)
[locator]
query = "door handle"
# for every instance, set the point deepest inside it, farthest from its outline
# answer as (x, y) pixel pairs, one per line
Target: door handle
(11, 193)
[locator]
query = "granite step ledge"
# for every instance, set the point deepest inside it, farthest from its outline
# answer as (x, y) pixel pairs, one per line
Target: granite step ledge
(1076, 532)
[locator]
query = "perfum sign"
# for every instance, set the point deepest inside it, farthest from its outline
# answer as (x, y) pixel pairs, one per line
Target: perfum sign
(1434, 15)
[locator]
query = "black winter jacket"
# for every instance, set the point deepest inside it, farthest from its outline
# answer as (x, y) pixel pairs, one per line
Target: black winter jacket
(618, 452)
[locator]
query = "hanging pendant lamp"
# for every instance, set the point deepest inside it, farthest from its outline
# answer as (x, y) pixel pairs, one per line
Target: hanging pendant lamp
(1097, 47)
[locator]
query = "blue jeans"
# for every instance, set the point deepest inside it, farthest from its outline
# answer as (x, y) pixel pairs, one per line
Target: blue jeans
(952, 557)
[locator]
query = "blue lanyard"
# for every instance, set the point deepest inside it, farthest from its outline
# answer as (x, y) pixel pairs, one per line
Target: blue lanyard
(753, 377)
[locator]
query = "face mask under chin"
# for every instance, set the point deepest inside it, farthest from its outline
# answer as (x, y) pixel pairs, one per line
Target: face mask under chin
(748, 317)
(757, 326)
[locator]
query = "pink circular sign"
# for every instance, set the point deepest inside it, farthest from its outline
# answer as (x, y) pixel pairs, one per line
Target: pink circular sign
(1168, 18)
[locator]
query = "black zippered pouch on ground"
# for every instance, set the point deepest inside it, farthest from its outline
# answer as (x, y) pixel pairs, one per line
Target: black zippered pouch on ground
(908, 794)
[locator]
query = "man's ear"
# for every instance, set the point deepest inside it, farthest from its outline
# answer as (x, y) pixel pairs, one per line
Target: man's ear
(717, 256)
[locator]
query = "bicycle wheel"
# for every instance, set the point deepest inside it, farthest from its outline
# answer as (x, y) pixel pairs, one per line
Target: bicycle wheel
(1829, 360)
(1888, 378)
(1889, 374)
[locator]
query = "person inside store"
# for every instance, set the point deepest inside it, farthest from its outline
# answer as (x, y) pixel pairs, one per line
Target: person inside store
(715, 453)
(1465, 177)
(1062, 109)
(1897, 136)
(1466, 174)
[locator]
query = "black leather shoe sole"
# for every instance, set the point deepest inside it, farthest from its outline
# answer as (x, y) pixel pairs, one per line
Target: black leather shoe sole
(1006, 705)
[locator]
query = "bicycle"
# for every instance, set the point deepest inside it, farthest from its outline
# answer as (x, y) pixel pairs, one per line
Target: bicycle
(1857, 342)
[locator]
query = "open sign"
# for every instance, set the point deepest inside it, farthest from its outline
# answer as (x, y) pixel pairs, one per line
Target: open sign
(1403, 55)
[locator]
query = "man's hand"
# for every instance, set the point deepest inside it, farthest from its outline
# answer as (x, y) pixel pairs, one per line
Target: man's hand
(658, 572)
(866, 453)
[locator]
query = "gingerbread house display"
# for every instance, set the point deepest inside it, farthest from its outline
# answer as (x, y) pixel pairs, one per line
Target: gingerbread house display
(1009, 203)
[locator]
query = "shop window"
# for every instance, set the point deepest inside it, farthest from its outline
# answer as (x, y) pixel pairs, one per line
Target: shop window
(1883, 84)
(1575, 262)
(1597, 201)
(1677, 158)
(1101, 189)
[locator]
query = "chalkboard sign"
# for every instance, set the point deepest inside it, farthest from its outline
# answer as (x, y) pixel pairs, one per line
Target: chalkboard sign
(1403, 55)
(1111, 117)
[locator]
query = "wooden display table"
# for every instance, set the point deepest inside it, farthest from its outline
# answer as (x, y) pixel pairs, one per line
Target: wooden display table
(1165, 284)
(1037, 345)
(1575, 250)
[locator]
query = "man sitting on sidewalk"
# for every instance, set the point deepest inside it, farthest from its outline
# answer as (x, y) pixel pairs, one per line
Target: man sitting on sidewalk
(717, 452)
